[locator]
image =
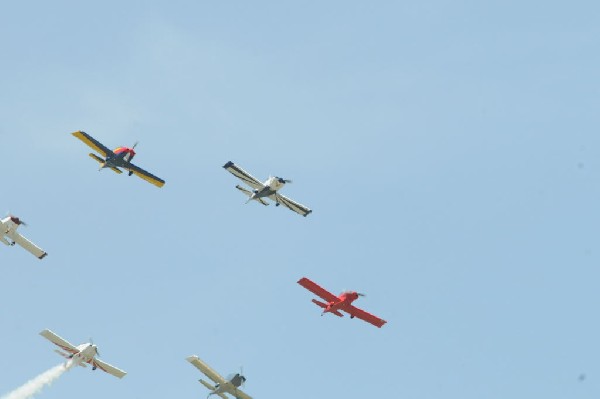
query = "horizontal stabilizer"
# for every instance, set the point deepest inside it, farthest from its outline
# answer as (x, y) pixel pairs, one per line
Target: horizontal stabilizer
(62, 354)
(96, 157)
(319, 303)
(249, 194)
(206, 384)
(338, 314)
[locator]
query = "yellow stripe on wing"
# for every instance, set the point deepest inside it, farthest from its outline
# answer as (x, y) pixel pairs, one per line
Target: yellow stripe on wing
(148, 177)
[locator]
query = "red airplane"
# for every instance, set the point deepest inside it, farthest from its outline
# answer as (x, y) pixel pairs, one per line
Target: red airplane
(343, 302)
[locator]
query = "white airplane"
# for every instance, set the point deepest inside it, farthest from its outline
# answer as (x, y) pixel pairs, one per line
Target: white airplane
(222, 385)
(81, 354)
(268, 189)
(10, 236)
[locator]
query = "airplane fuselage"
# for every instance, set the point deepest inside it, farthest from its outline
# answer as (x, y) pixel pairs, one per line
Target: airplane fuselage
(85, 354)
(230, 386)
(345, 299)
(8, 225)
(271, 186)
(120, 157)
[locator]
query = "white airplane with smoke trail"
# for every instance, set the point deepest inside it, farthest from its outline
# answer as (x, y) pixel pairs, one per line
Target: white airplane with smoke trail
(10, 236)
(81, 355)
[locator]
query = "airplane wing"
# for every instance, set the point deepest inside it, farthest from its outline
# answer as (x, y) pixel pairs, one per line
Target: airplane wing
(149, 177)
(368, 317)
(239, 394)
(317, 289)
(92, 143)
(56, 340)
(294, 206)
(206, 369)
(108, 368)
(243, 175)
(28, 245)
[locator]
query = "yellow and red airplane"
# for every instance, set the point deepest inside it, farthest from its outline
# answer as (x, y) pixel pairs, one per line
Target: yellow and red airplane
(118, 158)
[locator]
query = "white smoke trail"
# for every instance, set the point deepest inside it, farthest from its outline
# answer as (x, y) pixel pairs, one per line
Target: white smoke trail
(35, 385)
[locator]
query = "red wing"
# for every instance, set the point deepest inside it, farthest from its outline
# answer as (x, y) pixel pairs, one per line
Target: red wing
(317, 290)
(368, 317)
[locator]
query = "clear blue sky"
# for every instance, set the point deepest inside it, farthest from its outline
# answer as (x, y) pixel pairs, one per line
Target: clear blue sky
(449, 151)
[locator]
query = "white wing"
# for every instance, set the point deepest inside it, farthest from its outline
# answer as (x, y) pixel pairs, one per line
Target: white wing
(28, 245)
(288, 203)
(108, 368)
(56, 340)
(205, 368)
(238, 393)
(243, 175)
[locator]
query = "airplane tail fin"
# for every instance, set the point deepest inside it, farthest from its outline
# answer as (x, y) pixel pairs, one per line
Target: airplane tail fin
(249, 194)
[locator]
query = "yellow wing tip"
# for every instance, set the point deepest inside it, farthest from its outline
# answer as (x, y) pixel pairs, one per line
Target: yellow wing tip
(157, 183)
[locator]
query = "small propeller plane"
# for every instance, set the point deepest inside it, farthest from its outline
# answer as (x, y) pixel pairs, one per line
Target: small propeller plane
(8, 228)
(268, 189)
(81, 354)
(222, 385)
(118, 158)
(342, 302)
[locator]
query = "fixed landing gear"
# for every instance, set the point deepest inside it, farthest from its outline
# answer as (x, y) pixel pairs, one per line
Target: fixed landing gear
(351, 316)
(94, 368)
(277, 204)
(130, 173)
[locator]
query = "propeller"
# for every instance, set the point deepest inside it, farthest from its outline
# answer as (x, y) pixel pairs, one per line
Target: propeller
(135, 144)
(360, 294)
(282, 180)
(16, 220)
(92, 343)
(242, 375)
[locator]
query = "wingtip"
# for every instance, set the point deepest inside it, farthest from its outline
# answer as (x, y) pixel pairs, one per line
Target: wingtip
(191, 358)
(43, 255)
(228, 164)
